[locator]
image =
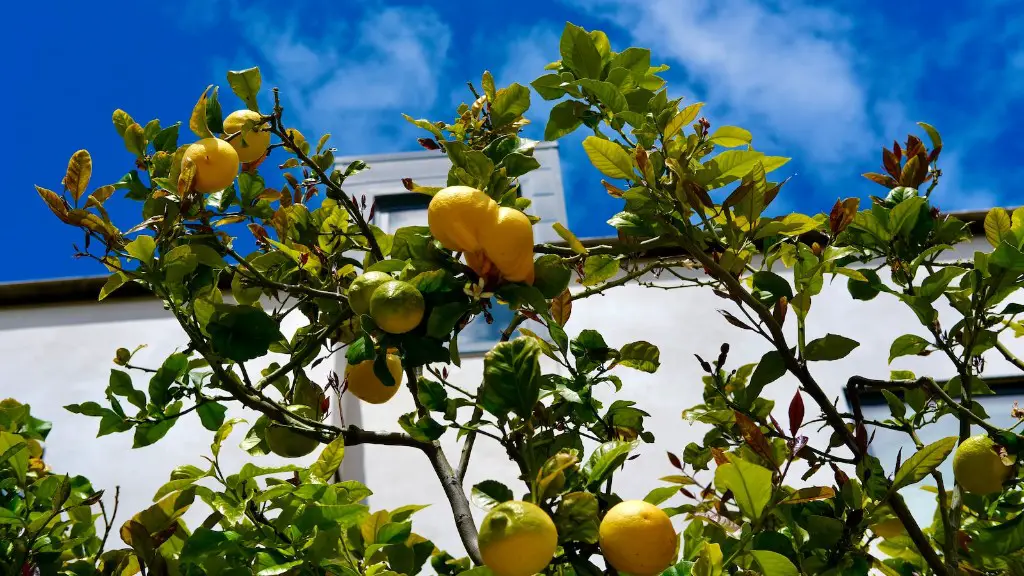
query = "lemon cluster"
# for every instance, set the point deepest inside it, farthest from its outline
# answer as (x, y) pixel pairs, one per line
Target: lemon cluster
(217, 160)
(519, 539)
(493, 238)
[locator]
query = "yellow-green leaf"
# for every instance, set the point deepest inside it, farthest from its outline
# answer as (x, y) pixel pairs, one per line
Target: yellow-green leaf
(76, 179)
(186, 176)
(101, 194)
(142, 249)
(222, 433)
(246, 85)
(569, 238)
(135, 139)
(997, 225)
(731, 136)
(609, 157)
(922, 463)
(933, 134)
(54, 201)
(330, 459)
(122, 121)
(116, 280)
(683, 118)
(751, 485)
(1017, 226)
(198, 120)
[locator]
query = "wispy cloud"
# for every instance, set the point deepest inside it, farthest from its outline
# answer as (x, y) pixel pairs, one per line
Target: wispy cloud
(789, 69)
(353, 78)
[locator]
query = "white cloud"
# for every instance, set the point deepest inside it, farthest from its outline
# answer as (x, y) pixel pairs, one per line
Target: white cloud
(787, 71)
(353, 79)
(958, 190)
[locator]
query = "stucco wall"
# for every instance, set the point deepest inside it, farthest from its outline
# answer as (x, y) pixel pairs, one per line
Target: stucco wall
(56, 355)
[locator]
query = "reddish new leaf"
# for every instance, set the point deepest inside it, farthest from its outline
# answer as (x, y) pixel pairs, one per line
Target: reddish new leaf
(674, 460)
(754, 437)
(796, 413)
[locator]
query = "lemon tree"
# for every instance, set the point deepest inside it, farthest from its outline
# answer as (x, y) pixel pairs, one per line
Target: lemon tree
(749, 487)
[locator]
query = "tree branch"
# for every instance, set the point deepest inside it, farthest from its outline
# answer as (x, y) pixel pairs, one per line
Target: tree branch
(1010, 356)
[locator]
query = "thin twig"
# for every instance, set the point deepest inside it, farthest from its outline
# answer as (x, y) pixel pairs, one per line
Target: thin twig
(108, 523)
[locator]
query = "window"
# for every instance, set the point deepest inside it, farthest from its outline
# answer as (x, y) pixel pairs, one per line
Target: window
(394, 211)
(888, 443)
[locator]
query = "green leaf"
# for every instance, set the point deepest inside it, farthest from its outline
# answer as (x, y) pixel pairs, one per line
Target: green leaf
(608, 157)
(424, 429)
(330, 459)
(661, 494)
(135, 139)
(933, 134)
(150, 432)
(242, 333)
(172, 369)
(865, 290)
(751, 485)
(1001, 540)
(490, 493)
(509, 104)
(443, 319)
(904, 215)
(641, 355)
(246, 85)
(636, 60)
(896, 406)
(922, 463)
(576, 519)
(598, 269)
(15, 458)
(197, 122)
(774, 564)
(770, 368)
(997, 226)
(551, 276)
(579, 53)
(394, 532)
(166, 140)
(824, 531)
(178, 263)
(511, 378)
(549, 86)
(829, 347)
(605, 459)
(121, 121)
(214, 115)
(731, 137)
(1007, 256)
(517, 164)
(607, 93)
(907, 345)
(142, 249)
(120, 383)
(211, 414)
(564, 118)
(772, 283)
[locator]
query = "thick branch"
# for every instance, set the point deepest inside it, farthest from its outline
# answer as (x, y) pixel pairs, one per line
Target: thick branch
(457, 498)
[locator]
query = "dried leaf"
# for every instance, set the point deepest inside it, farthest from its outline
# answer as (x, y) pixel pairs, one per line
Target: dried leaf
(186, 176)
(561, 307)
(55, 202)
(613, 190)
(76, 180)
(101, 194)
(810, 494)
(754, 437)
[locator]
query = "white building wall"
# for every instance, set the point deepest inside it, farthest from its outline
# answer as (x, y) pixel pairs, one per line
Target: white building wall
(56, 355)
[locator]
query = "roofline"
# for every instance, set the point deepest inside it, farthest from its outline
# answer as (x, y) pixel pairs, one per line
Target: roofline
(398, 156)
(86, 288)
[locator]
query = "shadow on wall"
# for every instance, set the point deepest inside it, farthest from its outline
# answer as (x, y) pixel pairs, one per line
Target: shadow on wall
(73, 313)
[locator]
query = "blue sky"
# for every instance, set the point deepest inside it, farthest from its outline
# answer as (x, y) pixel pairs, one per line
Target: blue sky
(825, 83)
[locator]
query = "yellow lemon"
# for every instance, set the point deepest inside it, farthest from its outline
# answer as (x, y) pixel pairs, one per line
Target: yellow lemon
(360, 290)
(288, 443)
(216, 164)
(517, 539)
(638, 538)
(508, 242)
(890, 528)
(459, 215)
(397, 307)
(365, 385)
(254, 143)
(978, 468)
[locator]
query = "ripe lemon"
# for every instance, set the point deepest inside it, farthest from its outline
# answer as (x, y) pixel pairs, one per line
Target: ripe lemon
(254, 143)
(365, 385)
(887, 529)
(508, 242)
(517, 539)
(397, 307)
(977, 466)
(216, 164)
(459, 215)
(360, 290)
(288, 443)
(638, 538)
